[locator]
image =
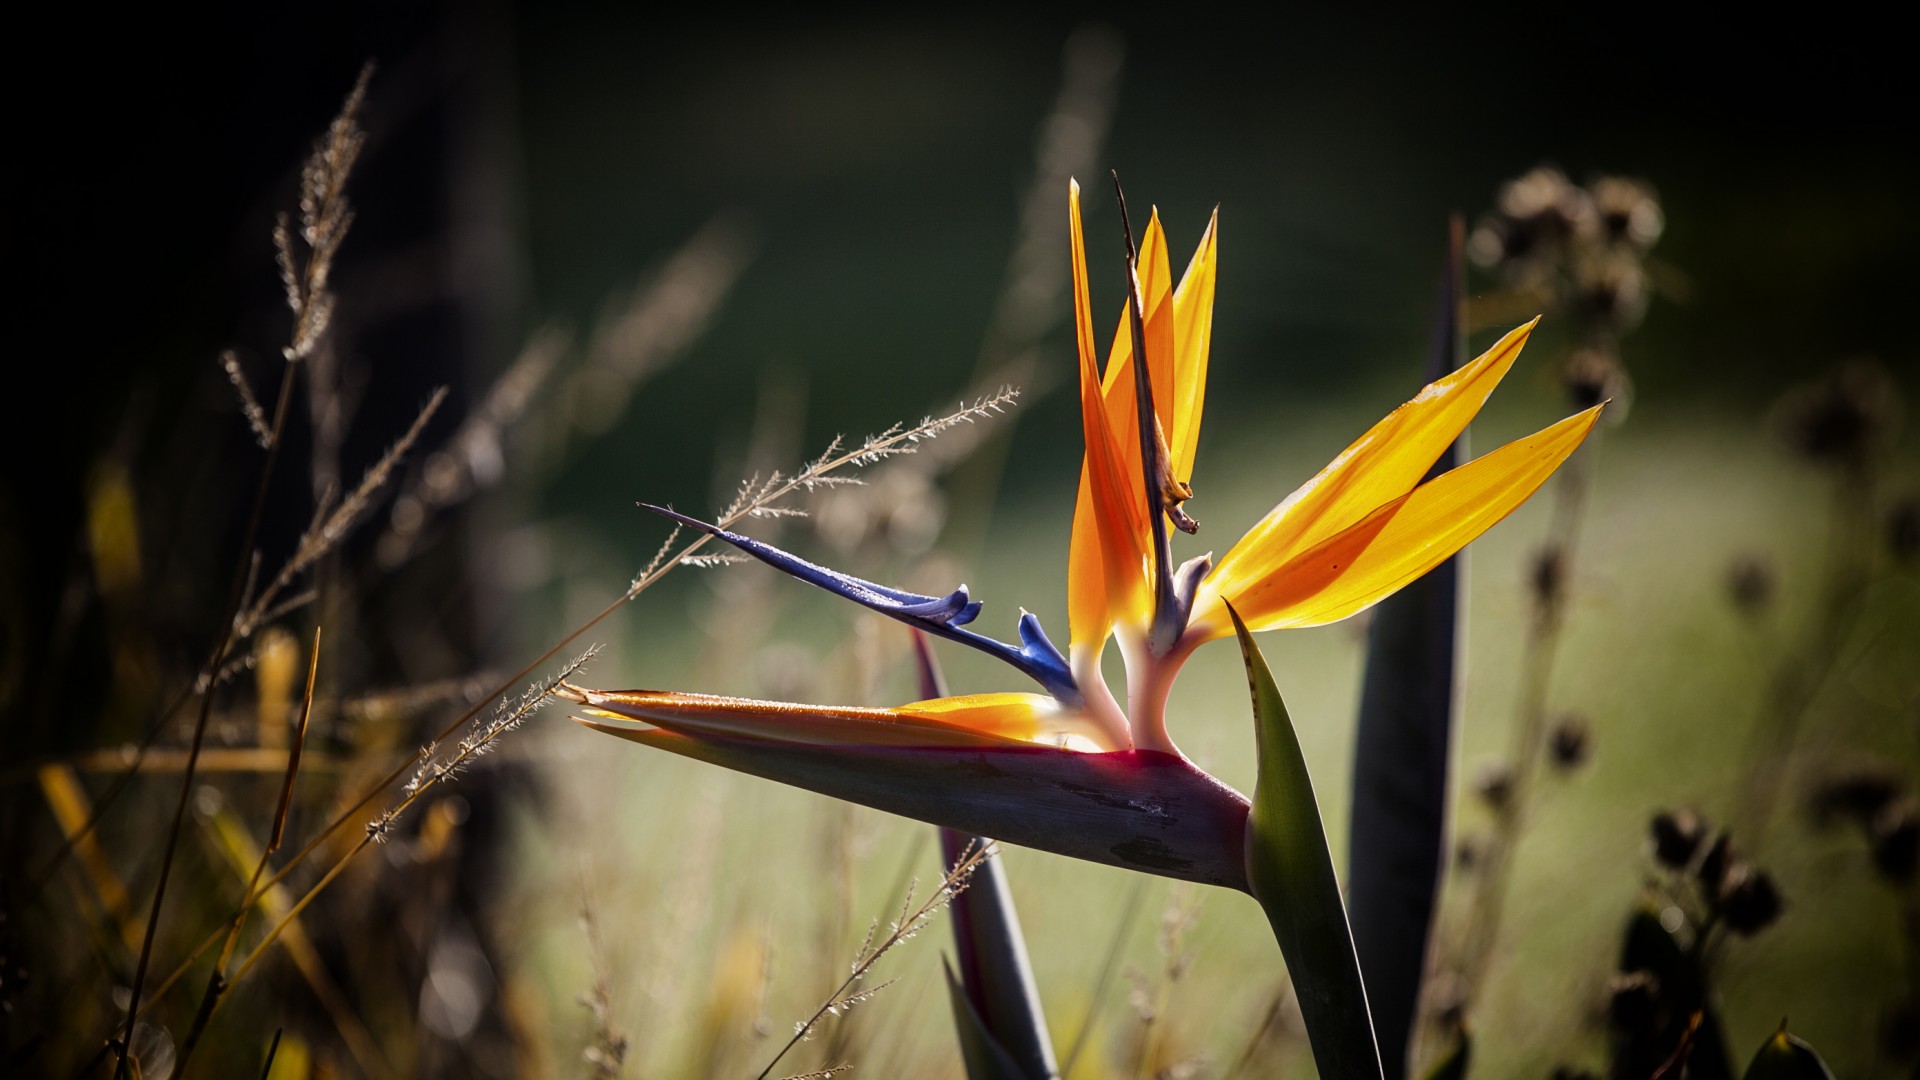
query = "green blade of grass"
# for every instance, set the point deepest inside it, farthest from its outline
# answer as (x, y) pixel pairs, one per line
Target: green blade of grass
(1402, 753)
(1291, 872)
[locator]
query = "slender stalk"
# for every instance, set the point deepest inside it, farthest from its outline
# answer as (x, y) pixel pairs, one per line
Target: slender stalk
(1571, 496)
(1109, 967)
(234, 595)
(325, 219)
(755, 497)
(1800, 675)
(908, 924)
(217, 980)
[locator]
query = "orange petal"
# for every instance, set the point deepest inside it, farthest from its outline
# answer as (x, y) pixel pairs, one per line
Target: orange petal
(1380, 466)
(1352, 570)
(971, 720)
(1192, 337)
(1107, 569)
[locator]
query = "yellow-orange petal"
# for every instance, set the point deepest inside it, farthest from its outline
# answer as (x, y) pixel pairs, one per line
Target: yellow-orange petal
(970, 720)
(1107, 569)
(1368, 561)
(1193, 339)
(1382, 465)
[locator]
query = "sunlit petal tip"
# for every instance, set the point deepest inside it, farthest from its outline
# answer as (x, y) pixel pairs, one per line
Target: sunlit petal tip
(1399, 541)
(1386, 463)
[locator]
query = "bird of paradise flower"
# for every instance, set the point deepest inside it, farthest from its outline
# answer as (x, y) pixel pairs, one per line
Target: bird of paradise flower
(1070, 770)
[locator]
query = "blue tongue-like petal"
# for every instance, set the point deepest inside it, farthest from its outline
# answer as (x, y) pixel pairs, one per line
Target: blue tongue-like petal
(942, 616)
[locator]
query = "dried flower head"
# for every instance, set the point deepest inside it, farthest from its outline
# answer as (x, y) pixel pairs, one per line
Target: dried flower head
(1896, 841)
(1494, 785)
(1843, 421)
(1675, 837)
(1748, 900)
(1549, 577)
(1627, 211)
(1536, 218)
(1611, 289)
(1857, 794)
(1711, 870)
(1751, 585)
(1633, 1001)
(1592, 376)
(1570, 743)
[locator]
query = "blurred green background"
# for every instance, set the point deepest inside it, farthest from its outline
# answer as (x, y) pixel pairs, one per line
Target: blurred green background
(858, 181)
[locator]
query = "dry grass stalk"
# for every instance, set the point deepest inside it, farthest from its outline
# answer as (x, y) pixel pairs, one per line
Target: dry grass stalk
(639, 334)
(904, 927)
(256, 417)
(608, 1053)
(325, 218)
(821, 472)
(472, 460)
(1150, 1001)
(332, 523)
(217, 981)
(1109, 969)
(235, 846)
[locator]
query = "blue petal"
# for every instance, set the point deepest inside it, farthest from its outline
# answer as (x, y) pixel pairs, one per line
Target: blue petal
(942, 616)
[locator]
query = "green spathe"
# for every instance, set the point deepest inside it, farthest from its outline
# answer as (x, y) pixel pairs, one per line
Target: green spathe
(1291, 873)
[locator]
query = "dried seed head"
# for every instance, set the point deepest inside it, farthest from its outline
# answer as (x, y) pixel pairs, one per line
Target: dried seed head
(1750, 585)
(1536, 218)
(1896, 841)
(1633, 1001)
(1856, 794)
(1843, 421)
(1592, 376)
(1494, 785)
(1549, 577)
(1627, 212)
(1712, 869)
(1676, 836)
(1748, 900)
(1570, 743)
(1612, 290)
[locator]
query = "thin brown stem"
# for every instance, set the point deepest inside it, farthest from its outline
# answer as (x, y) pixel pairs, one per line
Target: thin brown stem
(217, 980)
(756, 495)
(212, 666)
(911, 921)
(1553, 580)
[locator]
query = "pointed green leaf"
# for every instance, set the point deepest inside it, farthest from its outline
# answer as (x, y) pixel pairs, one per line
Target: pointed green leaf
(1787, 1058)
(1292, 876)
(985, 1058)
(1402, 755)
